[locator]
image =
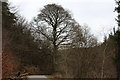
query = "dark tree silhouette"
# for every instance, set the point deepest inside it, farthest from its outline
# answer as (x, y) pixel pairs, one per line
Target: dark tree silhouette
(54, 23)
(117, 39)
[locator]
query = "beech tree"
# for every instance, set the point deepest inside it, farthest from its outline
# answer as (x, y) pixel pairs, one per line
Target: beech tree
(54, 24)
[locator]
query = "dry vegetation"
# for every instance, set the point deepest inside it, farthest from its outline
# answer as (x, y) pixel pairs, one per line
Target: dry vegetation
(55, 44)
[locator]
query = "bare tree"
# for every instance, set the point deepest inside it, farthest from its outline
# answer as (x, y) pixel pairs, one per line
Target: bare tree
(77, 37)
(54, 24)
(89, 39)
(81, 37)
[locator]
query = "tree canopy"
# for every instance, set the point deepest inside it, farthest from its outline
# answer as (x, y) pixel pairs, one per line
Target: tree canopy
(54, 23)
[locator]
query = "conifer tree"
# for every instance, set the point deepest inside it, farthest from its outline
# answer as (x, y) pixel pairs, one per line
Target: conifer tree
(117, 39)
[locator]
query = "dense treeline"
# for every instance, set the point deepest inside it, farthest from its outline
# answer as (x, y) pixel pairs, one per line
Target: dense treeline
(20, 50)
(55, 44)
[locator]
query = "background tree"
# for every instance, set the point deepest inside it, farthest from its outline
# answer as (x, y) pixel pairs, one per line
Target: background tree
(20, 49)
(81, 37)
(9, 62)
(8, 18)
(117, 39)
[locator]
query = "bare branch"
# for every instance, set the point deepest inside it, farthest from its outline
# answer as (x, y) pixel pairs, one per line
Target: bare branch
(61, 31)
(65, 37)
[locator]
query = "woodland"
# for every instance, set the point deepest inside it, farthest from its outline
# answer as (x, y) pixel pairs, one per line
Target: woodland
(54, 43)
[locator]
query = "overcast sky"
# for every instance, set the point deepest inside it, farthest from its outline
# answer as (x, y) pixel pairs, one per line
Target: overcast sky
(97, 14)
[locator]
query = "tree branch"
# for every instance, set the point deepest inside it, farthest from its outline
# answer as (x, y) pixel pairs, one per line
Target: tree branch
(62, 40)
(61, 30)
